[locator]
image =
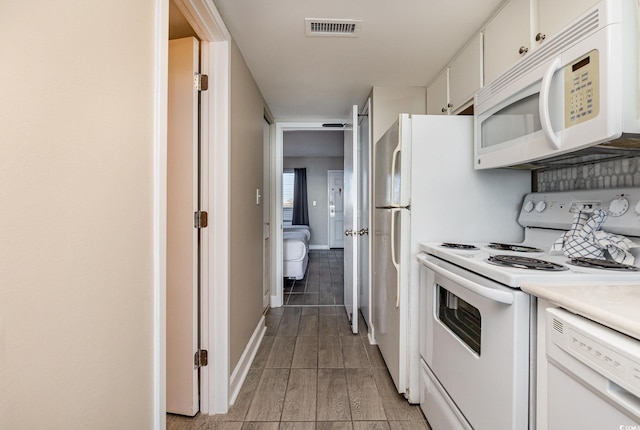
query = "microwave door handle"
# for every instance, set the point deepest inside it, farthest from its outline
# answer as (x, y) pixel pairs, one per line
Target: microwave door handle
(545, 116)
(394, 260)
(488, 293)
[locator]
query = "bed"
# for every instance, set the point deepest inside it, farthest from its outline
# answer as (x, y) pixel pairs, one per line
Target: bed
(295, 251)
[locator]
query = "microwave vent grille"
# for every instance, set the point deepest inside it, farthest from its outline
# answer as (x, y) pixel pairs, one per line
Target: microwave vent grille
(551, 48)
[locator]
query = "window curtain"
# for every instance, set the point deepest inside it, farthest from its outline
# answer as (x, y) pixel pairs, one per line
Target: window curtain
(300, 205)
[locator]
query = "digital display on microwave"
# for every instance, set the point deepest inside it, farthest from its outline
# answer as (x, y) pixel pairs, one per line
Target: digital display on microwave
(581, 64)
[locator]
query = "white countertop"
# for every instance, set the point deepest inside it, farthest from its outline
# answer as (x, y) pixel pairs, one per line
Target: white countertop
(616, 305)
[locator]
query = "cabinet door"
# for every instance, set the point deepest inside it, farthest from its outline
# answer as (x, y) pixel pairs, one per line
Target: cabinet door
(465, 74)
(554, 15)
(438, 95)
(506, 38)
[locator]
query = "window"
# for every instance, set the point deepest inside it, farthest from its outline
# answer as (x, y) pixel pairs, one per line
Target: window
(287, 189)
(287, 195)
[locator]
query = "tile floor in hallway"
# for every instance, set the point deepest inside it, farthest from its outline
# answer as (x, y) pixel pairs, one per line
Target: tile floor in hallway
(311, 372)
(323, 283)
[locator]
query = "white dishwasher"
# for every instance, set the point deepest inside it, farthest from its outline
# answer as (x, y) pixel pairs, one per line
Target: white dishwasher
(593, 379)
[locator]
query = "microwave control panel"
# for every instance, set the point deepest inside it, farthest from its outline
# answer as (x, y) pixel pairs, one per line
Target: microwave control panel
(582, 89)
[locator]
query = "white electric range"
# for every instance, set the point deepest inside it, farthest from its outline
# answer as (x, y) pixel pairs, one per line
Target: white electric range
(477, 339)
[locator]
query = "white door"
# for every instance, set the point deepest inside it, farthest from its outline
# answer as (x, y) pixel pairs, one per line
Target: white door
(364, 215)
(266, 216)
(182, 237)
(335, 181)
(351, 173)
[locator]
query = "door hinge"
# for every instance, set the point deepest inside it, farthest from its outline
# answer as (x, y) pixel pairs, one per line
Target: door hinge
(200, 219)
(201, 82)
(201, 358)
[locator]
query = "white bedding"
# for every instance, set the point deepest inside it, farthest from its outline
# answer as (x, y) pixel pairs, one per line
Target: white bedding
(294, 245)
(299, 228)
(295, 252)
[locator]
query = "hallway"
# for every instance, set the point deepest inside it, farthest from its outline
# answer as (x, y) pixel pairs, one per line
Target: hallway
(311, 372)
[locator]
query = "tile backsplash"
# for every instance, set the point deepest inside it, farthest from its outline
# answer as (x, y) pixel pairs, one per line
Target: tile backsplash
(606, 174)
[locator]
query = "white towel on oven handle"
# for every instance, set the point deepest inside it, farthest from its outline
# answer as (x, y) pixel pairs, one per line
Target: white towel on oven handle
(585, 239)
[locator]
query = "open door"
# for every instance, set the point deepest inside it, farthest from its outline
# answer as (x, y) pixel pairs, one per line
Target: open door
(351, 200)
(182, 237)
(364, 213)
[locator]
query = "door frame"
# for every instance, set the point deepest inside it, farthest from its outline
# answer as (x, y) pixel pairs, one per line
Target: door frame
(215, 61)
(276, 193)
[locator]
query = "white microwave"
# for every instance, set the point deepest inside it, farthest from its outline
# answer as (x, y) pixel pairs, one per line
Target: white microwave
(565, 102)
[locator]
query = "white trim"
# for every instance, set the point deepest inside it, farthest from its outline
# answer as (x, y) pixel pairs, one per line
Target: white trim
(319, 247)
(219, 157)
(161, 65)
(205, 20)
(244, 364)
(206, 141)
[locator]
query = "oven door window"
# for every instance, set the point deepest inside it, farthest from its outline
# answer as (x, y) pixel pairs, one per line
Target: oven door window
(460, 317)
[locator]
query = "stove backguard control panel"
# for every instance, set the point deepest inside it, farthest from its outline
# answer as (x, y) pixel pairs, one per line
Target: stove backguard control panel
(556, 210)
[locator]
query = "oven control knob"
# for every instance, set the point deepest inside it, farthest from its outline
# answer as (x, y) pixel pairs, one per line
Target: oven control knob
(618, 206)
(528, 207)
(541, 206)
(637, 208)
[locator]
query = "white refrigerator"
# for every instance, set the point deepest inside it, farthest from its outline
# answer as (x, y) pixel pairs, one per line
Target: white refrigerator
(426, 190)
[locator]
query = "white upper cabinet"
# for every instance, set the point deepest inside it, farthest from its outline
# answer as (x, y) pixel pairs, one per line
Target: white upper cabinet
(507, 37)
(465, 74)
(438, 94)
(554, 15)
(524, 25)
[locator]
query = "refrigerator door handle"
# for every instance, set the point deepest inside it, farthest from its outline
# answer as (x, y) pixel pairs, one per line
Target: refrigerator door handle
(394, 158)
(394, 260)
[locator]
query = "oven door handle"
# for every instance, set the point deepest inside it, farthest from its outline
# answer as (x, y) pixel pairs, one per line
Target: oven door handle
(488, 293)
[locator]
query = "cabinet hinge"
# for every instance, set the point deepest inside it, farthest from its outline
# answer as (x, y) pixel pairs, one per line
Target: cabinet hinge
(200, 219)
(201, 82)
(201, 358)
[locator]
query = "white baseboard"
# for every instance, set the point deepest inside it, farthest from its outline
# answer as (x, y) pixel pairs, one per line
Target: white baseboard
(240, 372)
(319, 247)
(372, 339)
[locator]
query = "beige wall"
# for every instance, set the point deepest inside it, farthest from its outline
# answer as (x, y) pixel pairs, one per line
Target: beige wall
(76, 215)
(388, 102)
(317, 190)
(247, 110)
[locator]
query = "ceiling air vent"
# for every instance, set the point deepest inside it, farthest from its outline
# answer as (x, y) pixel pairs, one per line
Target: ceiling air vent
(332, 27)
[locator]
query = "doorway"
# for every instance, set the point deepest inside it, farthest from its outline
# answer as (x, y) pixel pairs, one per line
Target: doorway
(214, 61)
(312, 275)
(183, 240)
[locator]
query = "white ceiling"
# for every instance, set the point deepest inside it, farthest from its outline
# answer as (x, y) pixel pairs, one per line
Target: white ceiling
(401, 43)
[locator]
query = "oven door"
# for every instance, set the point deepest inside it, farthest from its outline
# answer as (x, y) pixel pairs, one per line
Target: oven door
(477, 345)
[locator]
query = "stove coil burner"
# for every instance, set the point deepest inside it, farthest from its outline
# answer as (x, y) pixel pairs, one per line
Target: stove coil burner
(520, 262)
(510, 247)
(601, 264)
(458, 246)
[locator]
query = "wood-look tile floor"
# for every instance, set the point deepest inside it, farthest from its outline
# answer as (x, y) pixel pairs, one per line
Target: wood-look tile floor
(311, 372)
(323, 283)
